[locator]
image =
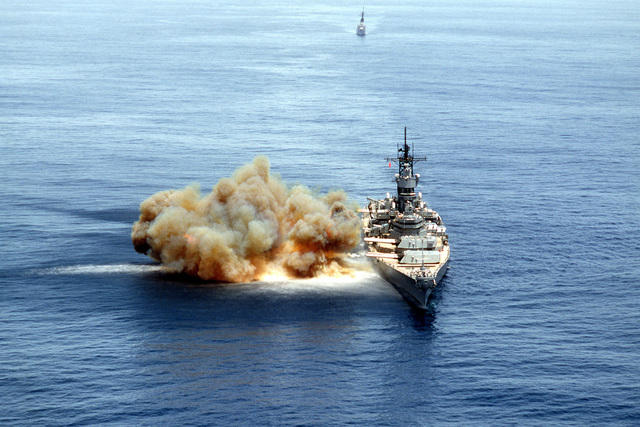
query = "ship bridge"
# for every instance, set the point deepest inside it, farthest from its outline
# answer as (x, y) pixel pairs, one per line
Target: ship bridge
(405, 179)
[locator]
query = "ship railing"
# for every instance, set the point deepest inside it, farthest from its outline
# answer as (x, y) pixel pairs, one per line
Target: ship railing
(423, 273)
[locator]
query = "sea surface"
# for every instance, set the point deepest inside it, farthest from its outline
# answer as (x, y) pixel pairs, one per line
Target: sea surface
(528, 112)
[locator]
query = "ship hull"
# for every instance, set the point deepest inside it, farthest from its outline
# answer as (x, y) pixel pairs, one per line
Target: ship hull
(414, 291)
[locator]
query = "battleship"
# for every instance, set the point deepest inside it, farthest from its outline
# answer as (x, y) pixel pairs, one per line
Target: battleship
(405, 239)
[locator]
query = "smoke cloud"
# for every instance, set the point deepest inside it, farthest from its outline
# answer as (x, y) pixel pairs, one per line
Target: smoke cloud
(249, 226)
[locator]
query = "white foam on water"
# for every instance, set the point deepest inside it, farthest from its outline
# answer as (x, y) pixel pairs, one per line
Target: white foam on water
(358, 281)
(100, 269)
(360, 278)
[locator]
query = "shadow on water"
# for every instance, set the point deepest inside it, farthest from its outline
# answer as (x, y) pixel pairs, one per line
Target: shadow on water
(424, 320)
(185, 298)
(125, 215)
(179, 301)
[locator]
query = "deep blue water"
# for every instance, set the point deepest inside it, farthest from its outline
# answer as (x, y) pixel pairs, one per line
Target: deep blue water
(528, 111)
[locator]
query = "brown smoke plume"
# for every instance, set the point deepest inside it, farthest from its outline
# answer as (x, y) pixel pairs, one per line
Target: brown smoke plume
(250, 225)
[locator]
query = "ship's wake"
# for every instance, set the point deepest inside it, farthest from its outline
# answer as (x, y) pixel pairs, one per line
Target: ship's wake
(250, 226)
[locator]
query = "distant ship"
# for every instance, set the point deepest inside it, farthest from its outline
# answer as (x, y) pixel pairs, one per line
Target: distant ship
(405, 239)
(362, 29)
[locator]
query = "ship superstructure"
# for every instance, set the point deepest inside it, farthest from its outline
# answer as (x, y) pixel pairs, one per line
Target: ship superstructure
(361, 29)
(405, 239)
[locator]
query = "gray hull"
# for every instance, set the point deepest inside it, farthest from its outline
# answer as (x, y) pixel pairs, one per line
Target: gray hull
(415, 291)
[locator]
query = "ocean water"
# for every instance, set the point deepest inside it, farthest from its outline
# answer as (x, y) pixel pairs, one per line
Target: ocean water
(528, 111)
